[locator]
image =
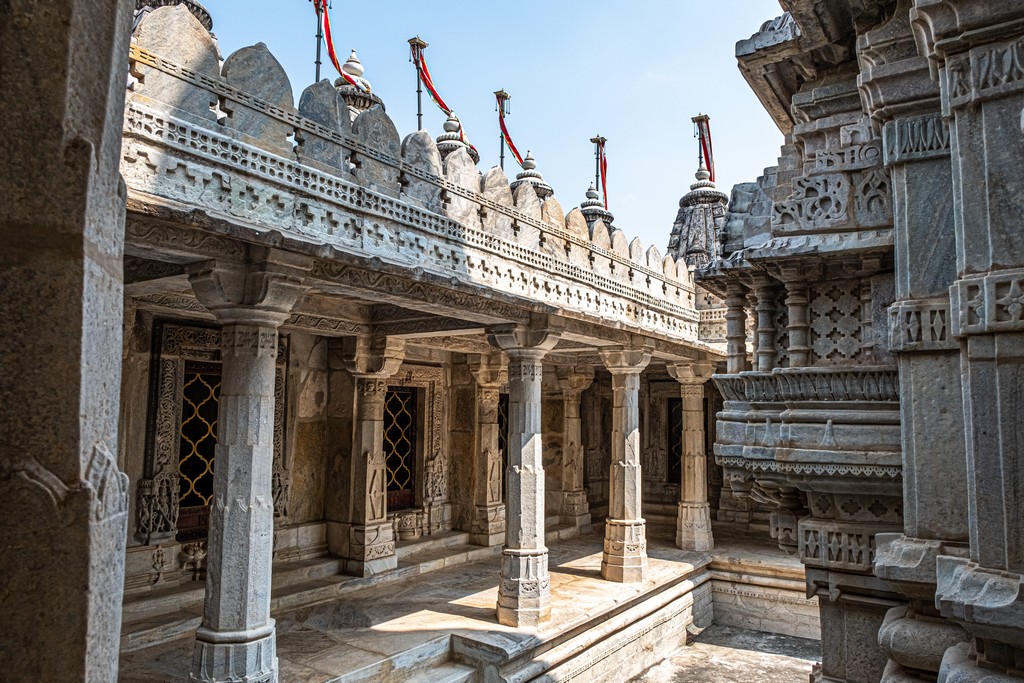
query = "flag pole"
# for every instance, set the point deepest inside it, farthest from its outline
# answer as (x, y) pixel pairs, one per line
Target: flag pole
(503, 110)
(319, 35)
(598, 142)
(417, 45)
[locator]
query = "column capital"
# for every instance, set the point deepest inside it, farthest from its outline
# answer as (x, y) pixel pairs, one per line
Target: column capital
(486, 368)
(690, 372)
(626, 360)
(524, 340)
(574, 379)
(262, 290)
(369, 357)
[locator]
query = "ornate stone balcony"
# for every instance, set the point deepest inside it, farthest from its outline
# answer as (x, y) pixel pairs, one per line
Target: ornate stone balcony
(811, 422)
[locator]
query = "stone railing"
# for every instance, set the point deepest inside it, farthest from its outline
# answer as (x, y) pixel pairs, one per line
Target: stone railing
(817, 384)
(313, 175)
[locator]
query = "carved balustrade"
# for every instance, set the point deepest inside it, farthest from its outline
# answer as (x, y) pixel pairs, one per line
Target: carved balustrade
(211, 147)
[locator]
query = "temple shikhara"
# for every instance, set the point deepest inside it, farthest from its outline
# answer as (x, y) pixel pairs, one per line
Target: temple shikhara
(290, 395)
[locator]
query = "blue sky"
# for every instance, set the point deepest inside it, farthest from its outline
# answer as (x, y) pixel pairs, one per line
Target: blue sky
(634, 72)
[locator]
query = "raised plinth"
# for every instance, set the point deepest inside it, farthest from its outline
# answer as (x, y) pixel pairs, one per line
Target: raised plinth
(524, 594)
(625, 551)
(216, 659)
(368, 549)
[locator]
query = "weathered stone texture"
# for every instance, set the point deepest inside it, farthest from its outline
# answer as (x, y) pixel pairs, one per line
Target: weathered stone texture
(63, 497)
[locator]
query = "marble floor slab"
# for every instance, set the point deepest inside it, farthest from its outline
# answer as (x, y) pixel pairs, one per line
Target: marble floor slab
(399, 624)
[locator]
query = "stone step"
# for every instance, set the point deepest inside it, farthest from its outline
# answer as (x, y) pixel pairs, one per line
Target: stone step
(443, 540)
(580, 648)
(445, 673)
(294, 584)
(411, 664)
(164, 627)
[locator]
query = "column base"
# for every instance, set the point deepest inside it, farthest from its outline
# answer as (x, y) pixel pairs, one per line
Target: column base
(367, 550)
(524, 594)
(960, 665)
(575, 510)
(488, 525)
(693, 527)
(251, 661)
(625, 551)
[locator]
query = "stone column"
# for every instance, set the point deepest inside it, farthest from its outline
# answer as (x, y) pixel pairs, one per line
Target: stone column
(976, 47)
(766, 292)
(625, 542)
(236, 640)
(902, 97)
(693, 527)
(365, 537)
(488, 527)
(524, 591)
(63, 500)
(736, 329)
(799, 321)
(574, 508)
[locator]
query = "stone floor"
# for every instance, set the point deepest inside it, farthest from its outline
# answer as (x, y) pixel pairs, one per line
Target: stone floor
(398, 624)
(724, 654)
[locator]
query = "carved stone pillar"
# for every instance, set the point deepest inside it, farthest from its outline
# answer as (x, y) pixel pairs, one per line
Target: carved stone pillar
(525, 588)
(899, 94)
(625, 540)
(799, 322)
(736, 329)
(766, 292)
(63, 500)
(236, 640)
(365, 537)
(976, 46)
(693, 526)
(751, 330)
(488, 526)
(574, 508)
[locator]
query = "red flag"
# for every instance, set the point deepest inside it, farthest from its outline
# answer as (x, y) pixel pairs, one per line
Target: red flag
(321, 6)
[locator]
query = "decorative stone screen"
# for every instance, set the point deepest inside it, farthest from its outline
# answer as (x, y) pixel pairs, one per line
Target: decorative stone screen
(400, 433)
(503, 435)
(837, 327)
(674, 451)
(200, 398)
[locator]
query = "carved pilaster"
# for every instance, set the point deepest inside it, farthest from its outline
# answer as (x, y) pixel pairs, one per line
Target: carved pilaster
(625, 543)
(488, 526)
(693, 526)
(365, 537)
(575, 509)
(766, 292)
